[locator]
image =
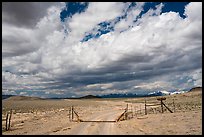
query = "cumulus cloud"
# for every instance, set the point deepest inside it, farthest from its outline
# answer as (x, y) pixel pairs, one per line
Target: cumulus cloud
(197, 78)
(154, 85)
(96, 13)
(132, 14)
(17, 41)
(152, 54)
(192, 9)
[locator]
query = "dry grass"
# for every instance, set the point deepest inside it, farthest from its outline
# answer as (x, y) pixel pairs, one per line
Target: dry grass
(180, 102)
(26, 106)
(51, 116)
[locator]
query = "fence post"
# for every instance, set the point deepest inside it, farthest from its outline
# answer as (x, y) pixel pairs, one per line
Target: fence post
(140, 109)
(10, 119)
(69, 113)
(126, 112)
(162, 106)
(145, 107)
(72, 109)
(132, 111)
(173, 105)
(135, 111)
(7, 121)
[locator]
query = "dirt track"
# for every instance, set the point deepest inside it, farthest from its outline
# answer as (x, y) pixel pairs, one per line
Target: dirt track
(97, 128)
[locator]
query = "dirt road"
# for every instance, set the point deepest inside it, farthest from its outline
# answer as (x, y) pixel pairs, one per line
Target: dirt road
(96, 128)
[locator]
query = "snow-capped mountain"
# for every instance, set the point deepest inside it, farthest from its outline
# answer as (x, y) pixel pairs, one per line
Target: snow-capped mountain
(159, 93)
(163, 93)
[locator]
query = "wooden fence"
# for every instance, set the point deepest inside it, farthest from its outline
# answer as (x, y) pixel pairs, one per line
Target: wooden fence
(72, 114)
(8, 120)
(162, 104)
(128, 113)
(123, 115)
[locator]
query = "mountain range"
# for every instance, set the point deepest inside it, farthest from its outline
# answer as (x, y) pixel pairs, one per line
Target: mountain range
(118, 95)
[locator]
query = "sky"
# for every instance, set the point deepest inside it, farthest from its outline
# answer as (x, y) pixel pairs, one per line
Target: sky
(57, 49)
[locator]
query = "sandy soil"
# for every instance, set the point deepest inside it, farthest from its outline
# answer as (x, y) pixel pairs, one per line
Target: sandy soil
(187, 118)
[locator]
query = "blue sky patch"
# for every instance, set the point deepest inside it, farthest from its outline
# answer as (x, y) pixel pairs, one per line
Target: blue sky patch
(73, 8)
(175, 6)
(102, 28)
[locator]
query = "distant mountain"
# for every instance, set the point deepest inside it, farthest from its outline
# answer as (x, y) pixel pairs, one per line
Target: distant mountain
(23, 98)
(6, 96)
(89, 97)
(125, 95)
(196, 89)
(128, 95)
(151, 94)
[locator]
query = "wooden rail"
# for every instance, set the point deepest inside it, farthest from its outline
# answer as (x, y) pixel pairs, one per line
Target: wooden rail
(99, 121)
(118, 119)
(167, 107)
(123, 114)
(153, 104)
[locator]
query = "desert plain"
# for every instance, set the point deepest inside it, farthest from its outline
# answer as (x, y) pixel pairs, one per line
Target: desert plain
(35, 116)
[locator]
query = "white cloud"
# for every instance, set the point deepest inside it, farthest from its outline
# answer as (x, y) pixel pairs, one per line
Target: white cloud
(153, 85)
(17, 41)
(101, 86)
(96, 13)
(197, 77)
(131, 16)
(23, 93)
(193, 11)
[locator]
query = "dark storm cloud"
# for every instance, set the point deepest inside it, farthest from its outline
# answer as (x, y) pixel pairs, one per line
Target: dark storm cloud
(124, 70)
(20, 35)
(24, 14)
(134, 67)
